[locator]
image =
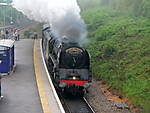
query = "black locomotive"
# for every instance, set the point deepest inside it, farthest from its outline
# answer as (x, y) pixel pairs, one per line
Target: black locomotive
(68, 63)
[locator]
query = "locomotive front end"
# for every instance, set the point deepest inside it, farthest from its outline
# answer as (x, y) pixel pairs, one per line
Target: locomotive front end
(74, 69)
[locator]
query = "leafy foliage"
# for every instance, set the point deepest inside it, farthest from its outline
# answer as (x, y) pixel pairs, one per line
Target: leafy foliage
(120, 50)
(126, 7)
(5, 1)
(8, 14)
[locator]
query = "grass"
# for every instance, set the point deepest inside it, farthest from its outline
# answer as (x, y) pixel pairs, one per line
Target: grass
(120, 50)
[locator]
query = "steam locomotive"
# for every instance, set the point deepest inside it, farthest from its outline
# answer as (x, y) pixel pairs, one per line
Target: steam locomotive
(68, 63)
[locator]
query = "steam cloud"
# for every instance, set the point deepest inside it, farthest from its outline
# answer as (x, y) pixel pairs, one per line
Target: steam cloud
(63, 15)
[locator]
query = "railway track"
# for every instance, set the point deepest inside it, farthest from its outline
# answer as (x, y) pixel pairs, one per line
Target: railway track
(73, 104)
(76, 104)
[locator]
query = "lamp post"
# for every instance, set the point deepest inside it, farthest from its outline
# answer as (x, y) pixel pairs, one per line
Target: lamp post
(4, 16)
(4, 4)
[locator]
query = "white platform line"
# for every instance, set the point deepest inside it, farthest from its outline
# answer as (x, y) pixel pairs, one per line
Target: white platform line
(50, 81)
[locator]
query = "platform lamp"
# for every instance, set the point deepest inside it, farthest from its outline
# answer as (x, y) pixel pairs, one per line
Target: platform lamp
(5, 3)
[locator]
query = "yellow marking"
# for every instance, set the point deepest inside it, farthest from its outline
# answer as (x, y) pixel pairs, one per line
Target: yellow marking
(43, 98)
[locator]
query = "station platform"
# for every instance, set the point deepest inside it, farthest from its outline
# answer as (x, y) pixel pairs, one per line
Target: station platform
(28, 89)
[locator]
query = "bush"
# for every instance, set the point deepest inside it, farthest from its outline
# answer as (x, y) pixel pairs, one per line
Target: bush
(27, 34)
(120, 49)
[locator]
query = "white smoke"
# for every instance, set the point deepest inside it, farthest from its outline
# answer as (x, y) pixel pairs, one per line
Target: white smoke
(63, 15)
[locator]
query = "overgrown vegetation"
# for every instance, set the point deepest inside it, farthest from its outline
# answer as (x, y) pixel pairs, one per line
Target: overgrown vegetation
(128, 7)
(120, 49)
(30, 32)
(8, 14)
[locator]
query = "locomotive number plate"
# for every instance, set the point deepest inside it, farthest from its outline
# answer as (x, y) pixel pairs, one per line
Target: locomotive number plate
(72, 50)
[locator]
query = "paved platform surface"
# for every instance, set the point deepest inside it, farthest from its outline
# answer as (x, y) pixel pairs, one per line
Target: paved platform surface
(20, 89)
(50, 101)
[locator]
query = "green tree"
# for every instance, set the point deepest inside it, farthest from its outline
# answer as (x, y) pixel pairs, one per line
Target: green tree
(128, 7)
(6, 1)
